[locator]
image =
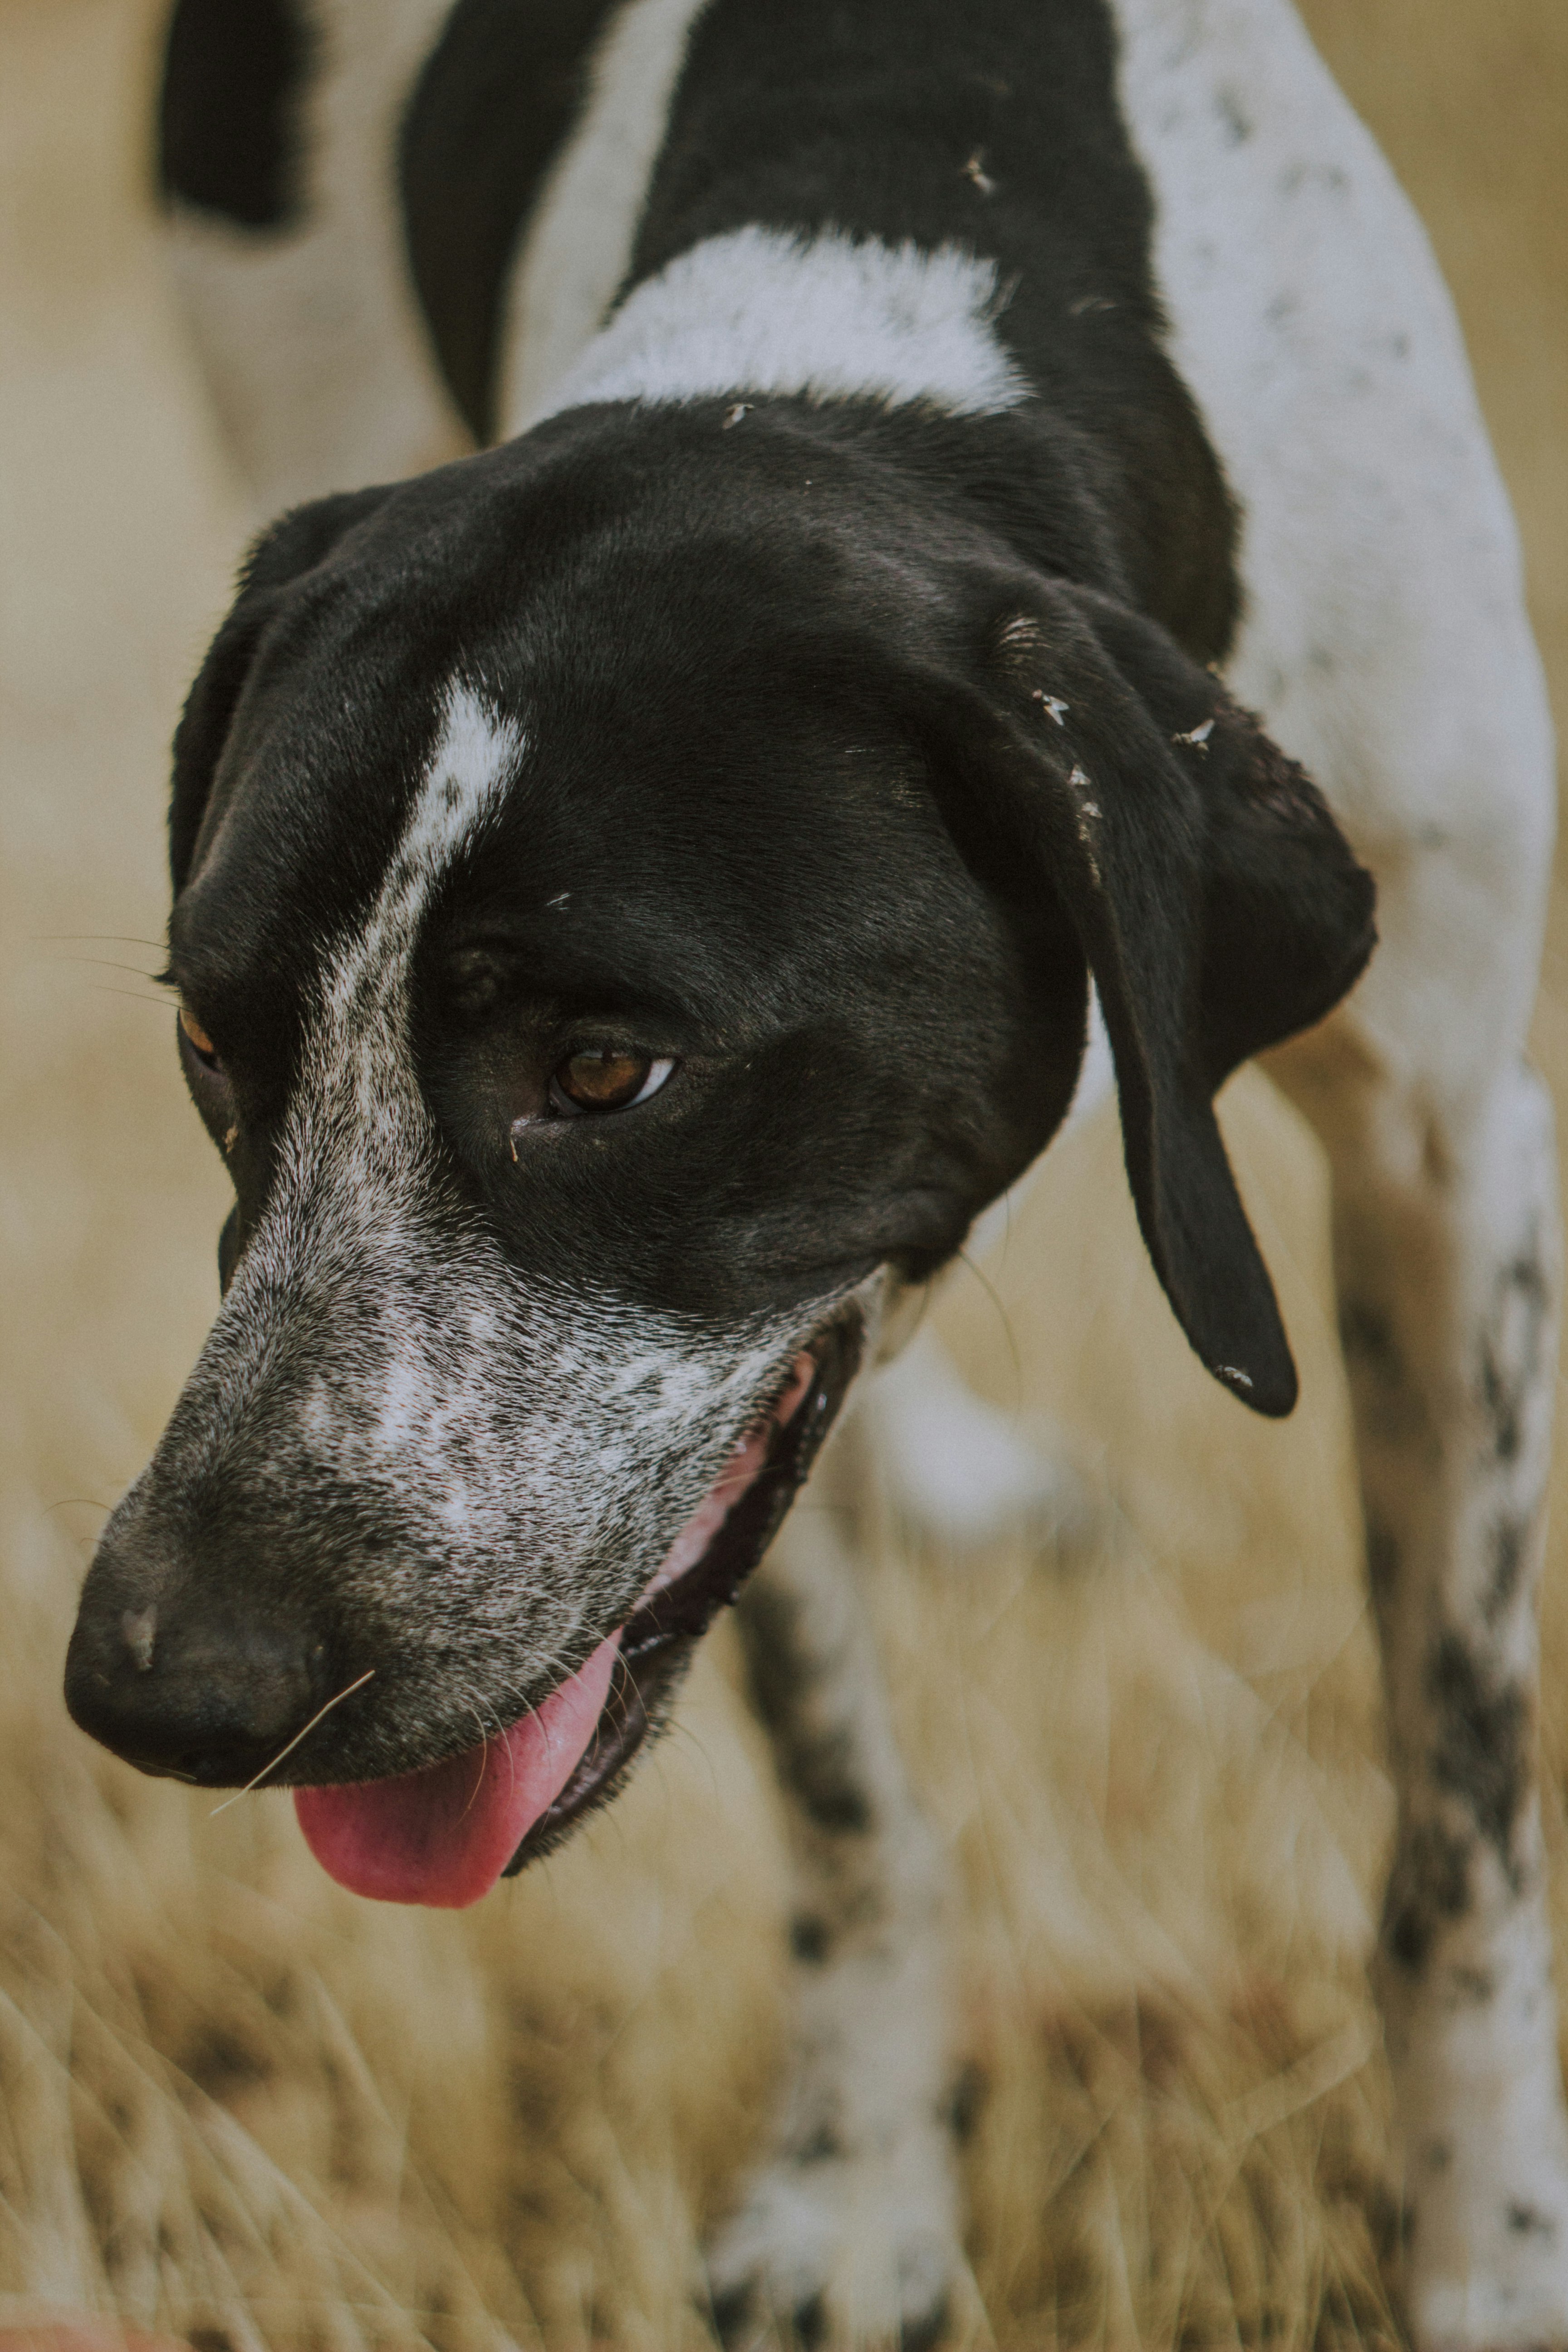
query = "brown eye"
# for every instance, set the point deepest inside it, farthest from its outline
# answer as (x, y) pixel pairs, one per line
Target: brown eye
(201, 1043)
(607, 1078)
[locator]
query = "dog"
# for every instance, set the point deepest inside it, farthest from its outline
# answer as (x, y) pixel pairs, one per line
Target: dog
(644, 887)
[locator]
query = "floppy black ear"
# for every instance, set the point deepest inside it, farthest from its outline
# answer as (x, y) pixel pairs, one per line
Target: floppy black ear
(292, 546)
(1217, 904)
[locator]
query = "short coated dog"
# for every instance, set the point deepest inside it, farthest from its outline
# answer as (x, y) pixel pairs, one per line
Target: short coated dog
(641, 890)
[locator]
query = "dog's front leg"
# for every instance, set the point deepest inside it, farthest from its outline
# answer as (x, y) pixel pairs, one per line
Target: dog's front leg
(1445, 1237)
(848, 2234)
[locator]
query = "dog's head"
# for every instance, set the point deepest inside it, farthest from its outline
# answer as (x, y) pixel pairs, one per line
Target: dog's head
(634, 899)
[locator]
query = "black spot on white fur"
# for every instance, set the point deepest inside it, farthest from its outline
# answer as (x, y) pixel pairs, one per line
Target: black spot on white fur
(1479, 1748)
(925, 2332)
(1509, 1546)
(1526, 2222)
(1511, 1351)
(966, 2102)
(1477, 1761)
(1428, 1887)
(817, 1766)
(810, 1939)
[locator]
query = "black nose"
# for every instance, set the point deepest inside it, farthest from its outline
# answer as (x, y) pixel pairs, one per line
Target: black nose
(181, 1685)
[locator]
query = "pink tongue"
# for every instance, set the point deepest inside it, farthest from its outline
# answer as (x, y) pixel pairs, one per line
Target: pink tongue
(443, 1836)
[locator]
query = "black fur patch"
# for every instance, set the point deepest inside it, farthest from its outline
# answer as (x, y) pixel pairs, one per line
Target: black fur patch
(497, 100)
(1430, 1884)
(810, 2320)
(1511, 1349)
(817, 1769)
(821, 1775)
(924, 2334)
(966, 2100)
(233, 71)
(1479, 1756)
(824, 2146)
(1480, 1752)
(810, 1939)
(1526, 2222)
(1510, 1543)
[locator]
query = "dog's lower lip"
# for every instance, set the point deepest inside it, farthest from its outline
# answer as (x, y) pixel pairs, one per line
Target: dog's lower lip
(657, 1637)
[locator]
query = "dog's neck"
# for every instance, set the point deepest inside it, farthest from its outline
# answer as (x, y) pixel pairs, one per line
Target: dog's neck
(757, 311)
(698, 223)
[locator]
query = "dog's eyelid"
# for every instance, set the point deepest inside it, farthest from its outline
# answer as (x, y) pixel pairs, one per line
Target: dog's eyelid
(196, 1038)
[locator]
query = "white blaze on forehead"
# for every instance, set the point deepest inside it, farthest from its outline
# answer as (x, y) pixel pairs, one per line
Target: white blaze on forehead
(366, 1013)
(827, 316)
(475, 754)
(359, 1140)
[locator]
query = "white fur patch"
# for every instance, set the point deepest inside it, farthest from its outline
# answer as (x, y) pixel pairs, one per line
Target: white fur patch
(577, 248)
(1310, 319)
(1097, 1072)
(475, 754)
(827, 316)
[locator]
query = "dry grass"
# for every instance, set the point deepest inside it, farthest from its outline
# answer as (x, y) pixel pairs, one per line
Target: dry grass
(236, 2103)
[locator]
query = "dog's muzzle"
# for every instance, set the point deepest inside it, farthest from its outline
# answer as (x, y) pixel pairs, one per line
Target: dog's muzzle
(444, 1835)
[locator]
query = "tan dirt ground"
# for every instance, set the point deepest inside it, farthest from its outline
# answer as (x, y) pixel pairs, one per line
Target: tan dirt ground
(238, 2105)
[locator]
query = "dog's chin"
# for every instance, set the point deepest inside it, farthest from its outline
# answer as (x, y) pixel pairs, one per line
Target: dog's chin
(444, 1835)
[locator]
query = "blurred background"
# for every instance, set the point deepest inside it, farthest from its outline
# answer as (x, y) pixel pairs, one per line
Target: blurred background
(240, 2105)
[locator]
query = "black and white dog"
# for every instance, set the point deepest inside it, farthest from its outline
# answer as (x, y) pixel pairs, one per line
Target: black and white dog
(637, 893)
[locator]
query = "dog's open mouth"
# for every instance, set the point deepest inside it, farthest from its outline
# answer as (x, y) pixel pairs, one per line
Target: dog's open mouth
(443, 1836)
